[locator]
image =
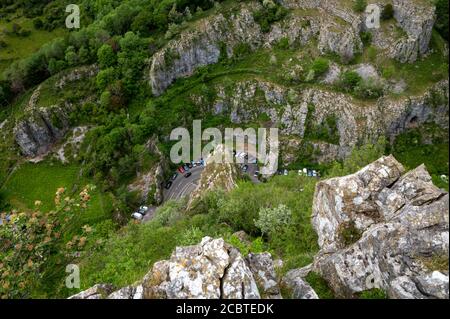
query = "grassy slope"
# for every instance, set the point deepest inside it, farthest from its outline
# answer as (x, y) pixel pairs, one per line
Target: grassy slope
(31, 182)
(21, 47)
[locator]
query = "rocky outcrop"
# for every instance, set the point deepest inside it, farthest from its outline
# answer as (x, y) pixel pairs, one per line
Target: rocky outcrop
(99, 291)
(417, 20)
(76, 75)
(218, 36)
(339, 38)
(262, 267)
(334, 24)
(295, 112)
(209, 270)
(377, 228)
(296, 285)
(149, 184)
(41, 129)
(217, 174)
(202, 46)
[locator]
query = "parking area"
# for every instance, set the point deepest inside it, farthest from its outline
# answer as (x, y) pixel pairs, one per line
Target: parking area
(186, 178)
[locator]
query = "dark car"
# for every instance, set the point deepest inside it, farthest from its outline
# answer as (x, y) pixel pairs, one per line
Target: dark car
(187, 174)
(190, 165)
(168, 185)
(185, 167)
(174, 176)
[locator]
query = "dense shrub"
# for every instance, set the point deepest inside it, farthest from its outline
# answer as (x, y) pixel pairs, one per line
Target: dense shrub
(388, 12)
(366, 37)
(38, 24)
(272, 221)
(269, 14)
(320, 66)
(359, 5)
(350, 80)
(106, 56)
(442, 18)
(369, 89)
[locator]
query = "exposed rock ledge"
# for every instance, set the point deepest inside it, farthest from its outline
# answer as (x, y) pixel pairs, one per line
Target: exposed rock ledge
(218, 35)
(403, 226)
(36, 134)
(211, 269)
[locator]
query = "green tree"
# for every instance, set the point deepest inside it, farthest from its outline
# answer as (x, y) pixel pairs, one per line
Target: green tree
(106, 56)
(271, 221)
(71, 56)
(105, 78)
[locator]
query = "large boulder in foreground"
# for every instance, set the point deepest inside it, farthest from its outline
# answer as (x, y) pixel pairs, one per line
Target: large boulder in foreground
(210, 270)
(378, 229)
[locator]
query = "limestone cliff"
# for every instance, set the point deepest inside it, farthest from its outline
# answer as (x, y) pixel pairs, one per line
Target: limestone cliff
(381, 229)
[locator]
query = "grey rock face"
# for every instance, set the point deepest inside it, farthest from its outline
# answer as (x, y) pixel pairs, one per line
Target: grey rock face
(99, 291)
(417, 21)
(153, 179)
(433, 285)
(181, 57)
(263, 270)
(36, 134)
(294, 282)
(219, 35)
(129, 292)
(41, 128)
(350, 198)
(77, 74)
(209, 270)
(342, 40)
(289, 110)
(401, 219)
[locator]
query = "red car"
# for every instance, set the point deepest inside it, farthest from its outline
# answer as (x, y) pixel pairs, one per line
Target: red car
(181, 170)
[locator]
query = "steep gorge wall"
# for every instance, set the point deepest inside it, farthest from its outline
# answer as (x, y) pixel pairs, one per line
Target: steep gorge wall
(357, 122)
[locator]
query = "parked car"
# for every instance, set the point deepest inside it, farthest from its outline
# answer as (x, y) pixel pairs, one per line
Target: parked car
(168, 185)
(186, 167)
(142, 210)
(137, 216)
(256, 174)
(245, 168)
(286, 173)
(181, 169)
(300, 172)
(174, 176)
(188, 174)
